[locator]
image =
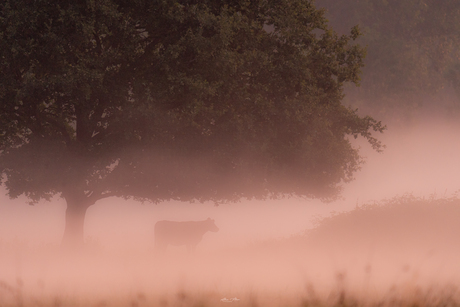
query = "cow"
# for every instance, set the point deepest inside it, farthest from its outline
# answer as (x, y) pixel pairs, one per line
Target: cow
(187, 233)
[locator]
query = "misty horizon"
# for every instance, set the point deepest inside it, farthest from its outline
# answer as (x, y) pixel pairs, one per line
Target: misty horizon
(420, 160)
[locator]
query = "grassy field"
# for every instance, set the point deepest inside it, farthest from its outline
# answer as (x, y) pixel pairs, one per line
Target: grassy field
(400, 252)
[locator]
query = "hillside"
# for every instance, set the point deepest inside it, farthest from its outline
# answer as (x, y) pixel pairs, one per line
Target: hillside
(401, 224)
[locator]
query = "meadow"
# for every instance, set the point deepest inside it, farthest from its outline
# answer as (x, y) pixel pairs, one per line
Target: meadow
(399, 252)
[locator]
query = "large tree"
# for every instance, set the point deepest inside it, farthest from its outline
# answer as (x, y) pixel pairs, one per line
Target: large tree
(174, 100)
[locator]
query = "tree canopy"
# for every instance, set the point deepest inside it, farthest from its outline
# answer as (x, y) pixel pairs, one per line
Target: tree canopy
(175, 100)
(413, 50)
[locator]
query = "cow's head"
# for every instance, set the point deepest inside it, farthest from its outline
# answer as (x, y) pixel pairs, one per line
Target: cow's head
(211, 225)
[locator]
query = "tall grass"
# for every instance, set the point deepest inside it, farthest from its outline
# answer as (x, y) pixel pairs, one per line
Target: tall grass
(398, 252)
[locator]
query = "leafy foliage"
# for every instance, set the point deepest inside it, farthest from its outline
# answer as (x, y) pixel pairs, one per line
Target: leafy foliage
(185, 100)
(412, 49)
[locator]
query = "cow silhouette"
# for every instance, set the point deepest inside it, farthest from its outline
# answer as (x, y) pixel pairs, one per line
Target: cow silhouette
(188, 233)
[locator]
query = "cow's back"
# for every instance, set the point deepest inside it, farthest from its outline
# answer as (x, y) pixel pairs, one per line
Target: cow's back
(187, 233)
(176, 233)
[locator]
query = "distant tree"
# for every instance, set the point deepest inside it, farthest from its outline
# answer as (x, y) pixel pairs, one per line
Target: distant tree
(413, 49)
(174, 100)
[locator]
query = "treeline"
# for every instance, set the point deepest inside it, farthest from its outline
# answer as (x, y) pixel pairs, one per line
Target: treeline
(412, 53)
(401, 224)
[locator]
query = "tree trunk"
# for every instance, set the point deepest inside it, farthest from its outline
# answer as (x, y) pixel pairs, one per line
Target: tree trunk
(77, 204)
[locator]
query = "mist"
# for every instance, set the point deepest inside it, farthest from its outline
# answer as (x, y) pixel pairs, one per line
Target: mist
(260, 254)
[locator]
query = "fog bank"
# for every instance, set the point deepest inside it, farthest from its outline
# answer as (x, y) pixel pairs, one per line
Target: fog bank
(249, 257)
